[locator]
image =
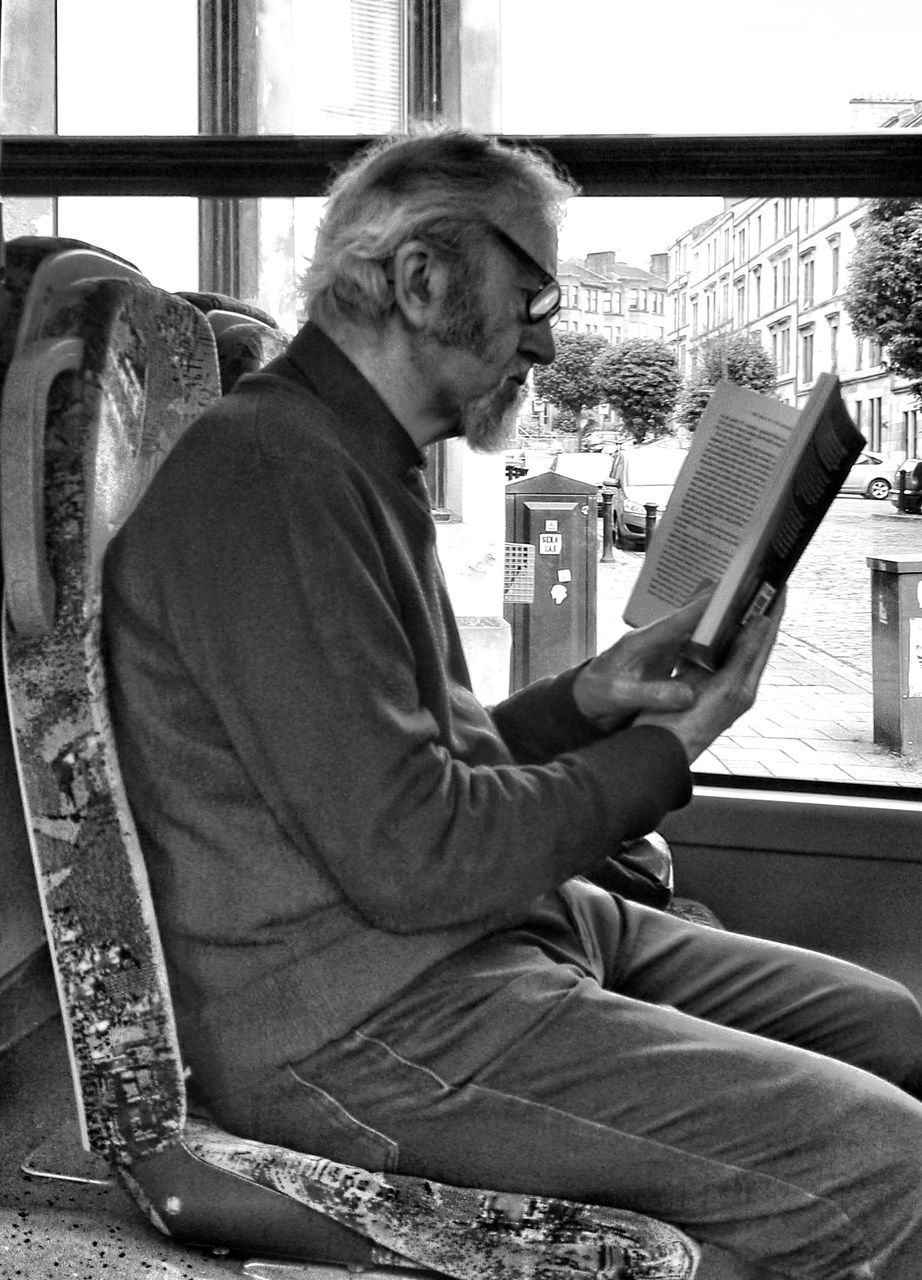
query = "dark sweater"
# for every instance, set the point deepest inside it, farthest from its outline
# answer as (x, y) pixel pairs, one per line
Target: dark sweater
(325, 808)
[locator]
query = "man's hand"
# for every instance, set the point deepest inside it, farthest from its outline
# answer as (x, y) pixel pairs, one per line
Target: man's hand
(721, 697)
(636, 673)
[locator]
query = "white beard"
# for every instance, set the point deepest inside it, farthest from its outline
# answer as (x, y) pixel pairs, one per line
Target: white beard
(488, 423)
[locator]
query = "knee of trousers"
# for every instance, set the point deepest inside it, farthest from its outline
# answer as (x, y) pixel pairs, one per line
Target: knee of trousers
(896, 1021)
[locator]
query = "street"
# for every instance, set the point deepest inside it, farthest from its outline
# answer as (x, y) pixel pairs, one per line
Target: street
(813, 719)
(829, 606)
(829, 599)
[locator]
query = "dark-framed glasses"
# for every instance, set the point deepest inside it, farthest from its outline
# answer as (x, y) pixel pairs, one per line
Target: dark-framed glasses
(544, 303)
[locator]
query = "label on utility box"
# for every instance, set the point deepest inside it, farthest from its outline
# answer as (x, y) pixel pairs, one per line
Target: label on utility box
(550, 544)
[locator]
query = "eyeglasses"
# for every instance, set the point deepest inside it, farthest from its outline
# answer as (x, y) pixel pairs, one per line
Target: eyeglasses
(544, 304)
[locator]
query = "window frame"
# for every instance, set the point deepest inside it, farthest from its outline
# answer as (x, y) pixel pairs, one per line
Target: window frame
(883, 163)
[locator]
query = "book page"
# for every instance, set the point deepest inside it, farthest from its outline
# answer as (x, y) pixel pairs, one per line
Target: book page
(821, 451)
(726, 479)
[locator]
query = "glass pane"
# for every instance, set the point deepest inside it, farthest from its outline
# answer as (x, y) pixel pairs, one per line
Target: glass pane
(336, 69)
(344, 63)
(776, 270)
(127, 68)
(159, 234)
(717, 67)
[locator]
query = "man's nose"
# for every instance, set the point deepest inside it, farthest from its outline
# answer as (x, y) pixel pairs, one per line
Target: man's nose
(538, 342)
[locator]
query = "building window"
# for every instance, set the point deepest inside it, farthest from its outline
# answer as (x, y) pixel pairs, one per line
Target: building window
(781, 281)
(833, 322)
(781, 346)
(834, 265)
(875, 352)
(806, 354)
(807, 279)
(875, 413)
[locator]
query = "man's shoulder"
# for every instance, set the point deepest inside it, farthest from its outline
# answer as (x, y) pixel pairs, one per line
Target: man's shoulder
(266, 419)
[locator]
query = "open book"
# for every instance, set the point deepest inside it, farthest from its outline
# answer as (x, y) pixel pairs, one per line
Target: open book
(758, 480)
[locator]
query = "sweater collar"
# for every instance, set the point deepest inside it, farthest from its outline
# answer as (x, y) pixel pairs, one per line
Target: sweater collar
(315, 361)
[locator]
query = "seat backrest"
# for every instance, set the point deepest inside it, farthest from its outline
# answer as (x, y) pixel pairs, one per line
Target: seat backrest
(35, 267)
(247, 337)
(111, 373)
(244, 345)
(32, 266)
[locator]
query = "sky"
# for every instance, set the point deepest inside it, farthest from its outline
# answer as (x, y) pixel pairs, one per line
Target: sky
(717, 66)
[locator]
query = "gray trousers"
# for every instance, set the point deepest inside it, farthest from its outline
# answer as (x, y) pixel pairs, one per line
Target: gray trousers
(745, 1091)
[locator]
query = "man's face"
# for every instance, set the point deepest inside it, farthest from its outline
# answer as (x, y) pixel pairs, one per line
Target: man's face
(489, 344)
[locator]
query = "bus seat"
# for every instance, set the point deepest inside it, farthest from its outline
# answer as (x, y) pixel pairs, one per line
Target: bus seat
(35, 266)
(244, 345)
(31, 265)
(113, 372)
(247, 337)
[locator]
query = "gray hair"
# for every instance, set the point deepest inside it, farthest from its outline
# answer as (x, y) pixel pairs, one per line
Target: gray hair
(443, 186)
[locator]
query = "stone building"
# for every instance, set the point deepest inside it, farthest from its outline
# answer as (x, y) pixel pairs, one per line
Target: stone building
(778, 268)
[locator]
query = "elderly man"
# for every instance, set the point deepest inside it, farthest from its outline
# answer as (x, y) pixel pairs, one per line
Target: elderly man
(370, 888)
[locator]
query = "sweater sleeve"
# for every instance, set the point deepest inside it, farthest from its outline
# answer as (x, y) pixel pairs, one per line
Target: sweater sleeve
(542, 720)
(287, 608)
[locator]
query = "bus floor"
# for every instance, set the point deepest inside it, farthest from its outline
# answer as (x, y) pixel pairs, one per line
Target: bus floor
(53, 1229)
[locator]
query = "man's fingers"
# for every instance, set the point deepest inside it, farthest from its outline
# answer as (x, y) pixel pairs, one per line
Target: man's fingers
(654, 695)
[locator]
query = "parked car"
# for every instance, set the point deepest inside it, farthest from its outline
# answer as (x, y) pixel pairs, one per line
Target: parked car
(601, 441)
(872, 476)
(515, 464)
(593, 468)
(640, 475)
(912, 487)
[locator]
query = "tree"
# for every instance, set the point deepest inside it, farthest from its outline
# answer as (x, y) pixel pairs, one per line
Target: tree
(640, 378)
(738, 358)
(884, 296)
(570, 382)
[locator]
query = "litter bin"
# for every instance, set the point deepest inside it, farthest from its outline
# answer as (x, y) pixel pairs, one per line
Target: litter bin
(896, 652)
(549, 595)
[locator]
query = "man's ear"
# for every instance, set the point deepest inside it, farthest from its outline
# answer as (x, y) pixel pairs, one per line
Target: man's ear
(420, 280)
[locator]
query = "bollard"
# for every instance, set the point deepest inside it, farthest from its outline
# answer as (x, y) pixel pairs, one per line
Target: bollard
(896, 652)
(649, 523)
(901, 500)
(608, 553)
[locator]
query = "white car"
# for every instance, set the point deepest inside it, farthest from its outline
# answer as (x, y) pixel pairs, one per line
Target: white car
(871, 476)
(642, 475)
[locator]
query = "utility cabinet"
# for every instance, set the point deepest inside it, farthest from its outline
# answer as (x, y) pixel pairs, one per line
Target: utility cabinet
(896, 652)
(549, 587)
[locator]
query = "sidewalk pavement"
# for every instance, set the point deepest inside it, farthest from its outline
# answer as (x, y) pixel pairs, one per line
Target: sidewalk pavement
(812, 721)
